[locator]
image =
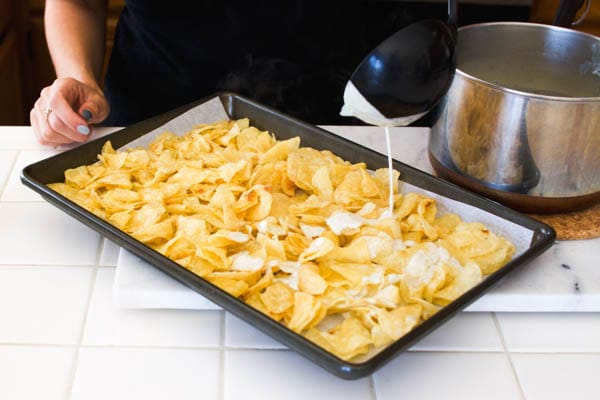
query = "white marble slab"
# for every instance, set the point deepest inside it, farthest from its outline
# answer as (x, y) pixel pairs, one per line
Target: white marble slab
(565, 278)
(140, 285)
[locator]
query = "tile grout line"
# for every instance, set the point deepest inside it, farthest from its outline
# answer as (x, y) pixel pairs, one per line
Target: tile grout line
(221, 394)
(34, 265)
(249, 348)
(8, 176)
(41, 201)
(508, 354)
(83, 325)
(47, 345)
(101, 251)
(372, 387)
(82, 333)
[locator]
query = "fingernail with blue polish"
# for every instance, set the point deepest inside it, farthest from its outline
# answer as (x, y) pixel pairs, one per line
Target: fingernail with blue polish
(84, 130)
(87, 115)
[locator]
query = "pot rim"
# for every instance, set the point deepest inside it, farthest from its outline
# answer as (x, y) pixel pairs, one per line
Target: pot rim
(470, 77)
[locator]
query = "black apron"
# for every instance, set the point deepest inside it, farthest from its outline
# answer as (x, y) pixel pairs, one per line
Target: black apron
(293, 55)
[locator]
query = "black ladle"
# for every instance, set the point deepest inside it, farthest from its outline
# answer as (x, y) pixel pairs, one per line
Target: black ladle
(408, 73)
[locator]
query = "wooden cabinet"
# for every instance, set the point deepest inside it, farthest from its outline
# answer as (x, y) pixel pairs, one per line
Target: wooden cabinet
(6, 12)
(12, 87)
(41, 72)
(12, 110)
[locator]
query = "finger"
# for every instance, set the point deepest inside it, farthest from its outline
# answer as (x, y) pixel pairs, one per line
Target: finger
(85, 100)
(87, 114)
(45, 134)
(35, 125)
(65, 120)
(58, 125)
(50, 127)
(95, 109)
(44, 92)
(38, 129)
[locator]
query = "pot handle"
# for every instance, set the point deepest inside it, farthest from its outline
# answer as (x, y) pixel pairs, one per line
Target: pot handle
(567, 9)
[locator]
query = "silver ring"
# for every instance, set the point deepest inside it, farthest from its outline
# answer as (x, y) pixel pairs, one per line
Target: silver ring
(47, 112)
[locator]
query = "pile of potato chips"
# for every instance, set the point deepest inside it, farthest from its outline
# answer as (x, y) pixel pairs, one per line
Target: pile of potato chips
(300, 234)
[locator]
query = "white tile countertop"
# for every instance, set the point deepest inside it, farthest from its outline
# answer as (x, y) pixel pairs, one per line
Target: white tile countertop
(62, 337)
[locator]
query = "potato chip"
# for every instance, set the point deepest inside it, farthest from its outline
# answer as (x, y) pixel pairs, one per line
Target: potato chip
(299, 234)
(238, 171)
(408, 205)
(381, 176)
(301, 166)
(264, 174)
(280, 150)
(255, 204)
(319, 247)
(387, 297)
(311, 205)
(468, 277)
(178, 248)
(357, 189)
(253, 140)
(278, 297)
(232, 286)
(350, 339)
(215, 256)
(396, 323)
(265, 281)
(307, 312)
(155, 234)
(352, 273)
(199, 265)
(243, 261)
(446, 223)
(113, 180)
(191, 176)
(474, 242)
(148, 215)
(254, 300)
(309, 279)
(356, 251)
(492, 261)
(78, 178)
(321, 184)
(191, 227)
(295, 244)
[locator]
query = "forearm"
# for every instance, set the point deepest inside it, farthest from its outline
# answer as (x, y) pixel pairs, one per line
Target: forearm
(75, 31)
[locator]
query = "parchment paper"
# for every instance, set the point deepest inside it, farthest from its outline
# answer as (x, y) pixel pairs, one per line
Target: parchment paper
(213, 111)
(205, 113)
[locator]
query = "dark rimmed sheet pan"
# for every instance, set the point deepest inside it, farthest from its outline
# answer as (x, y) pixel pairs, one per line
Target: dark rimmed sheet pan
(38, 175)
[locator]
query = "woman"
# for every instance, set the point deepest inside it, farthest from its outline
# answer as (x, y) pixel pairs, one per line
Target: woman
(293, 55)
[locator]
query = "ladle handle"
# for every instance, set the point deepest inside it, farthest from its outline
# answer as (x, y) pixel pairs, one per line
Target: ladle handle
(453, 15)
(567, 9)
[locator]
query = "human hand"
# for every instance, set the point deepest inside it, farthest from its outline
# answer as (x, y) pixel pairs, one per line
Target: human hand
(66, 110)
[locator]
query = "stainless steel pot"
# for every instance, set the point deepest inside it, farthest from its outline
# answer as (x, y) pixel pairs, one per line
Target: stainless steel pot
(521, 121)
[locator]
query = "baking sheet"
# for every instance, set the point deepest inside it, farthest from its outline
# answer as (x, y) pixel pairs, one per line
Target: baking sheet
(531, 237)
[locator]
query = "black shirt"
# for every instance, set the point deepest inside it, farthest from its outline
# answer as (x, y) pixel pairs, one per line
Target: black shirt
(293, 55)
